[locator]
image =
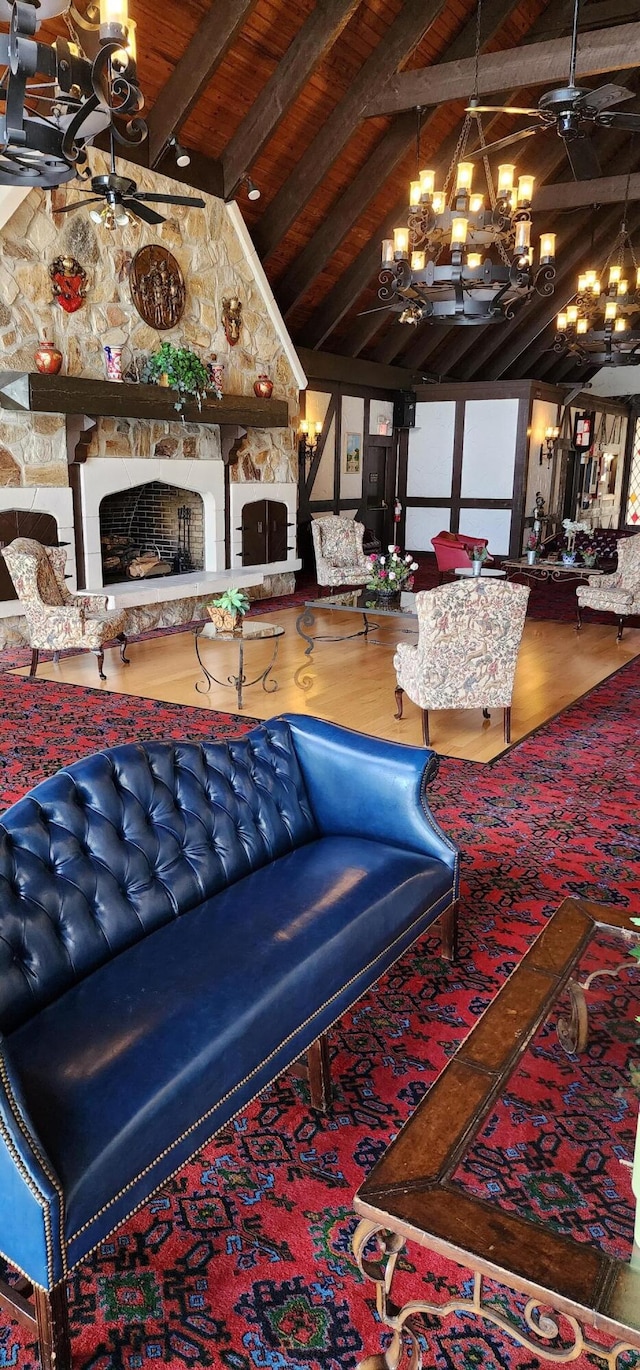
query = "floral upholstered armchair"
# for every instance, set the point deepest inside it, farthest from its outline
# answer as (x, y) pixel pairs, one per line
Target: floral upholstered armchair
(618, 593)
(337, 544)
(465, 657)
(56, 619)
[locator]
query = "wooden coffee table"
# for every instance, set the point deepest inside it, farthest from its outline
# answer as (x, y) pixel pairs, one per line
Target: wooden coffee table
(413, 1192)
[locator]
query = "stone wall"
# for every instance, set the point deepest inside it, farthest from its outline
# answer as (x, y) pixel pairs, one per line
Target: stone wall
(33, 449)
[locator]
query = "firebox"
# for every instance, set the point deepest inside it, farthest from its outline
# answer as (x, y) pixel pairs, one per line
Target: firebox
(151, 530)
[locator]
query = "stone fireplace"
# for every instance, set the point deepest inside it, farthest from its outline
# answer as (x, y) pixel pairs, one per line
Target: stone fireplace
(151, 530)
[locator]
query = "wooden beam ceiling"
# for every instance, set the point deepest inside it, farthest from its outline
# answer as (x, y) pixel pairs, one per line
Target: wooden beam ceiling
(317, 35)
(535, 64)
(395, 144)
(212, 39)
(415, 17)
(585, 194)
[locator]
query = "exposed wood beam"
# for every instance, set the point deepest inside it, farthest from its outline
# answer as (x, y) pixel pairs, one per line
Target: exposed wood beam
(390, 150)
(319, 32)
(212, 39)
(576, 194)
(329, 366)
(413, 21)
(533, 65)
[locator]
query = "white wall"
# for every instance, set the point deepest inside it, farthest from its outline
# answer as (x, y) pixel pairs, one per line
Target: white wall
(430, 460)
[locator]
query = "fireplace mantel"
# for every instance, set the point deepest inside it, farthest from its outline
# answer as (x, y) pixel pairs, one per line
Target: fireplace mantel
(29, 392)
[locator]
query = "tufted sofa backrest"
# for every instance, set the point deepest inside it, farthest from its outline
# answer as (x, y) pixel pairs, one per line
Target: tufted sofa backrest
(106, 851)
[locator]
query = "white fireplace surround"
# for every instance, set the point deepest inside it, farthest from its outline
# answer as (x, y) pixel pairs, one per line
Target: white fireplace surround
(42, 499)
(101, 476)
(241, 493)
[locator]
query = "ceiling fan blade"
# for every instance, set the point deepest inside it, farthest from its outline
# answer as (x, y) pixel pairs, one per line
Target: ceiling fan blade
(193, 200)
(503, 142)
(583, 159)
(380, 310)
(626, 121)
(602, 98)
(147, 215)
(498, 109)
(79, 204)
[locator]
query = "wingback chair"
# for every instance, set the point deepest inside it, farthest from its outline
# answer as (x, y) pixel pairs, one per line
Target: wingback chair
(618, 593)
(453, 549)
(465, 657)
(337, 544)
(56, 619)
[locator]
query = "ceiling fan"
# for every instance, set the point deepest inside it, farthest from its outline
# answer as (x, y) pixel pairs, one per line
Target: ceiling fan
(122, 202)
(573, 111)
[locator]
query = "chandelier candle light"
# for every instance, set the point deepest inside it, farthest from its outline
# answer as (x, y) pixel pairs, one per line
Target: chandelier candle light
(602, 324)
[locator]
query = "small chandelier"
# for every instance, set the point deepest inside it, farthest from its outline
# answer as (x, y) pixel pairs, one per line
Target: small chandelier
(602, 325)
(465, 257)
(55, 99)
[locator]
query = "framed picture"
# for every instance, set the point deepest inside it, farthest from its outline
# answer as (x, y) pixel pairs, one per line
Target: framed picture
(583, 430)
(353, 446)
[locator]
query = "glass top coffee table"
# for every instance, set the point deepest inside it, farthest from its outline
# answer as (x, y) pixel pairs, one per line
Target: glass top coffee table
(363, 602)
(252, 630)
(550, 570)
(515, 1165)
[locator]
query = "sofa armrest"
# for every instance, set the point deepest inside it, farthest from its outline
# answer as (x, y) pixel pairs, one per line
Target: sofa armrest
(91, 604)
(363, 786)
(30, 1192)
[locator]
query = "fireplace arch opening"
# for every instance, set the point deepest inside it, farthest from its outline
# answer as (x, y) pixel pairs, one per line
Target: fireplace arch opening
(151, 530)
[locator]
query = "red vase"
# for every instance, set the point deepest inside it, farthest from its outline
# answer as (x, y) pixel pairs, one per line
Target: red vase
(263, 387)
(48, 358)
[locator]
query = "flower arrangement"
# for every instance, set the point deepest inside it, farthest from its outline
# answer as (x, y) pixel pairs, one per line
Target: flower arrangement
(532, 542)
(183, 371)
(225, 611)
(571, 527)
(589, 555)
(392, 571)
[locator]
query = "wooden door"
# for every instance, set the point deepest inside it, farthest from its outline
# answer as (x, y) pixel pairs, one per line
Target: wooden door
(377, 497)
(264, 532)
(17, 523)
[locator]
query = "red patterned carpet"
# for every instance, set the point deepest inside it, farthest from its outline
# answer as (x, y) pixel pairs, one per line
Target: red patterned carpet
(244, 1261)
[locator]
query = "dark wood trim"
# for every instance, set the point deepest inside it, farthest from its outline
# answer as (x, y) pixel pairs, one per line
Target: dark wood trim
(456, 473)
(632, 415)
(403, 35)
(337, 454)
(30, 392)
(324, 370)
(482, 390)
(403, 466)
(447, 501)
(586, 194)
(227, 515)
(212, 39)
(614, 49)
(79, 433)
(520, 473)
(318, 34)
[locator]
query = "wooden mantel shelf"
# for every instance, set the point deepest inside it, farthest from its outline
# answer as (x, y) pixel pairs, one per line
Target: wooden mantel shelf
(29, 392)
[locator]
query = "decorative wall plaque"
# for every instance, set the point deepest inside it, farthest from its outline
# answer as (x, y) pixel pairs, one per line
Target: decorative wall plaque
(69, 281)
(157, 287)
(232, 319)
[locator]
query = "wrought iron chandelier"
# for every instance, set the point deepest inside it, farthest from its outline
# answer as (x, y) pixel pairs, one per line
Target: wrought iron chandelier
(56, 98)
(465, 257)
(602, 325)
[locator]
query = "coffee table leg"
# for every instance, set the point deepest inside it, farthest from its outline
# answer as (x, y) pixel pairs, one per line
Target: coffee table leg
(306, 620)
(408, 1328)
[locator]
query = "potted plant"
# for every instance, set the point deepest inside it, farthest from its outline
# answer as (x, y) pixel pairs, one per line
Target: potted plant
(532, 549)
(227, 610)
(390, 573)
(589, 555)
(182, 370)
(479, 555)
(571, 527)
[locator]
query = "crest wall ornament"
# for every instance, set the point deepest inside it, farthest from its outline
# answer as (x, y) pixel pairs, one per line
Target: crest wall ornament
(69, 280)
(157, 287)
(232, 319)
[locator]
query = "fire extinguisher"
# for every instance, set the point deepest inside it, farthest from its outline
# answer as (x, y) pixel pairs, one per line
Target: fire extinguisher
(397, 511)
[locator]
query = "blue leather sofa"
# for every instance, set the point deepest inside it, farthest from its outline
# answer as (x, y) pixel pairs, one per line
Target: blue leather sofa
(179, 922)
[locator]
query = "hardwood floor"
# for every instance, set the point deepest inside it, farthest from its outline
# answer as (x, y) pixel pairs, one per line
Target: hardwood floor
(352, 682)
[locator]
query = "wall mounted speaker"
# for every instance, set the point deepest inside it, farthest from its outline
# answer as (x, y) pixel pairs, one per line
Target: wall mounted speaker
(404, 410)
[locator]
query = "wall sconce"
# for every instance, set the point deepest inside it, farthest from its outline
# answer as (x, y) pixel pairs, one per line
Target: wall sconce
(308, 439)
(550, 438)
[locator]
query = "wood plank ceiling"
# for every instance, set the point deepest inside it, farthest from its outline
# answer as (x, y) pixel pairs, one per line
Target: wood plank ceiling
(282, 92)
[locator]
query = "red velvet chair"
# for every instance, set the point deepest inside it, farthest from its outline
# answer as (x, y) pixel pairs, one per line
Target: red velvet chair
(453, 549)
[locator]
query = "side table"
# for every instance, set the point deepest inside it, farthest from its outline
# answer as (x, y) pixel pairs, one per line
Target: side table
(252, 630)
(494, 571)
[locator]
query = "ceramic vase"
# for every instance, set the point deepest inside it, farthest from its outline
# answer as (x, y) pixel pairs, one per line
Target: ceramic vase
(568, 558)
(113, 362)
(263, 387)
(48, 359)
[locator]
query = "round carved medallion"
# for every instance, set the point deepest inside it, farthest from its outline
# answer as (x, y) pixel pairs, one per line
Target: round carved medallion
(157, 287)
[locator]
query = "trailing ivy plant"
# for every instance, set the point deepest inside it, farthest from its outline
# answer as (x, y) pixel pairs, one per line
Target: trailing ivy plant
(184, 372)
